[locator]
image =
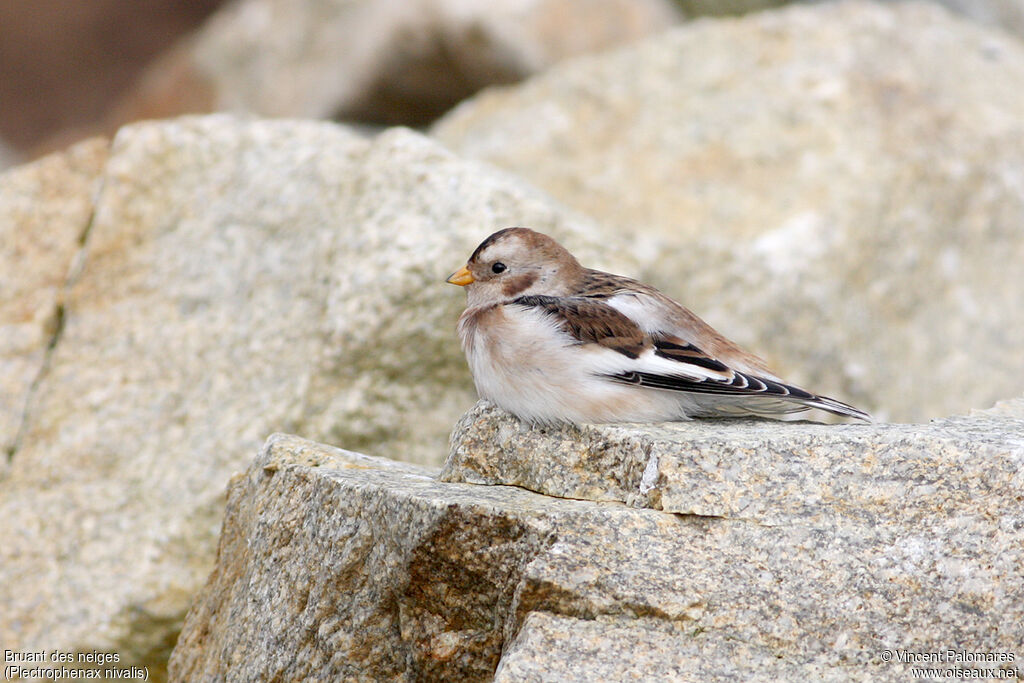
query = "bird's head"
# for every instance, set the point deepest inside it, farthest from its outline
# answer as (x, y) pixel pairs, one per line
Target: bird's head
(517, 262)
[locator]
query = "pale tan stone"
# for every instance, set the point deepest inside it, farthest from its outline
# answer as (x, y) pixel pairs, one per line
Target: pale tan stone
(45, 210)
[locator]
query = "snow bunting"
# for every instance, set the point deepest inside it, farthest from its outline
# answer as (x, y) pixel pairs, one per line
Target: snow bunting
(551, 341)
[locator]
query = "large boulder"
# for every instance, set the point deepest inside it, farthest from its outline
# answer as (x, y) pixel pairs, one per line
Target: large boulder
(236, 278)
(337, 566)
(835, 186)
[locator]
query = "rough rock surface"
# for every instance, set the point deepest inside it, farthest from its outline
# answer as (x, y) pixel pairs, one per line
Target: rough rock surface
(766, 471)
(379, 61)
(627, 648)
(236, 278)
(335, 565)
(835, 186)
(45, 211)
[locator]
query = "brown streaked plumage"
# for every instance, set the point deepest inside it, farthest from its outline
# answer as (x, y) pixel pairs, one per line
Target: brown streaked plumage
(552, 341)
(597, 284)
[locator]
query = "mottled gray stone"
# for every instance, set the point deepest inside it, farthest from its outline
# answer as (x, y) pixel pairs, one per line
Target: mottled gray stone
(238, 277)
(350, 583)
(837, 187)
(332, 567)
(550, 647)
(767, 471)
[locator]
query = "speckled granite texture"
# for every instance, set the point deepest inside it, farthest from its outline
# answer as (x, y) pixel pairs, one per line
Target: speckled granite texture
(335, 565)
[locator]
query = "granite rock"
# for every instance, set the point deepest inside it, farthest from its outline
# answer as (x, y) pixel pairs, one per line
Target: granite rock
(767, 471)
(334, 566)
(632, 649)
(377, 60)
(237, 277)
(45, 211)
(835, 186)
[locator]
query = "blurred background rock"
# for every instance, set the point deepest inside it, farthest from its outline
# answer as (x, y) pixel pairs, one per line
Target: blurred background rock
(63, 64)
(70, 70)
(104, 64)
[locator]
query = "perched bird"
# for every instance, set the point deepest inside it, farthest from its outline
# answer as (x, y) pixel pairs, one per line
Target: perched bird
(551, 341)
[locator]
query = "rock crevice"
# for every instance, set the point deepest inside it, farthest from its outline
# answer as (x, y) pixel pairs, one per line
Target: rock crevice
(52, 242)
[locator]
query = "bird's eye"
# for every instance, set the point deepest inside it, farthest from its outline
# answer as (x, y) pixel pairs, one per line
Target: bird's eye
(499, 267)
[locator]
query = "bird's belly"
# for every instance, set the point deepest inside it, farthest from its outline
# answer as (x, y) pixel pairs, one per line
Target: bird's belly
(543, 378)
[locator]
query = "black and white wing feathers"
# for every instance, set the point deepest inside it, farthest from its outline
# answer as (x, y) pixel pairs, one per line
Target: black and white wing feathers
(627, 351)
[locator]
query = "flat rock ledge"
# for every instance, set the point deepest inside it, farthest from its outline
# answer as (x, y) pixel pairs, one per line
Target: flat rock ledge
(798, 551)
(766, 471)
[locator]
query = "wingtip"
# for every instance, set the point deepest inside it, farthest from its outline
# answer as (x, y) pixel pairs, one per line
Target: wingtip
(842, 409)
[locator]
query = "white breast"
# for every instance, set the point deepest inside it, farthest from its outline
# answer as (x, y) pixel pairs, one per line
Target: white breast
(523, 361)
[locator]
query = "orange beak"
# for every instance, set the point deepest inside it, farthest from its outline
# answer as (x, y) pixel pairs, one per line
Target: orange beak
(461, 277)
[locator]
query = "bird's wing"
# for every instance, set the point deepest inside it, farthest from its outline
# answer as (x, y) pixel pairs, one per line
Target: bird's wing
(661, 360)
(632, 352)
(588, 321)
(659, 316)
